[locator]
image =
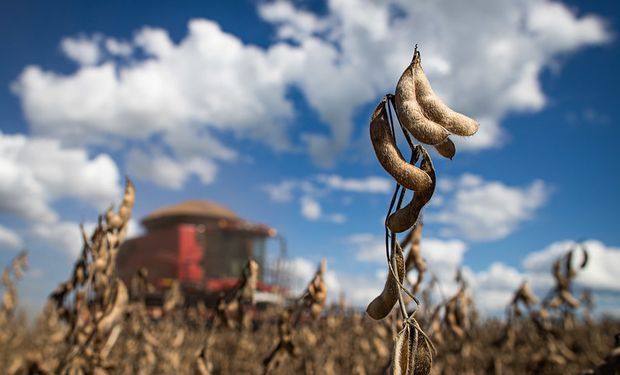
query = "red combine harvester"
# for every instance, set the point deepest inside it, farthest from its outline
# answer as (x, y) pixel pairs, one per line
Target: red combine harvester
(204, 246)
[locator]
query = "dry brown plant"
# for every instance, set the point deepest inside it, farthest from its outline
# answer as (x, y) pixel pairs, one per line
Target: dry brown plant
(423, 116)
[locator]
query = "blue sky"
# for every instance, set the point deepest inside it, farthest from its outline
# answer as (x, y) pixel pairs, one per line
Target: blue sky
(264, 107)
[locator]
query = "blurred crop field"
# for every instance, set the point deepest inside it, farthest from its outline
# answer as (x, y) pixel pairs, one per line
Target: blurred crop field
(94, 324)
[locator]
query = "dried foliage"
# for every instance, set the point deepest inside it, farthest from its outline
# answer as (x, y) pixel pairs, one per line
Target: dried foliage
(92, 325)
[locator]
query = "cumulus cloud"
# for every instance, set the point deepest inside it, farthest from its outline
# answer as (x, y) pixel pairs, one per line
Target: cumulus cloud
(323, 184)
(209, 77)
(359, 289)
(9, 239)
(443, 256)
(64, 236)
(482, 210)
(319, 186)
(355, 40)
(600, 273)
(82, 50)
(299, 272)
(35, 172)
(282, 191)
(169, 172)
(371, 184)
(368, 247)
(118, 48)
(310, 208)
(340, 61)
(494, 286)
(292, 23)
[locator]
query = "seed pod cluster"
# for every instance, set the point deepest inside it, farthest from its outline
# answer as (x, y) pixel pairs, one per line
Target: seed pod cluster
(563, 273)
(423, 114)
(93, 301)
(316, 292)
(9, 301)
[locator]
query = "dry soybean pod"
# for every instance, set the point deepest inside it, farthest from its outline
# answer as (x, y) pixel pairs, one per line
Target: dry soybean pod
(381, 306)
(413, 347)
(423, 356)
(415, 236)
(401, 355)
(405, 174)
(410, 113)
(447, 149)
(117, 310)
(434, 108)
(406, 217)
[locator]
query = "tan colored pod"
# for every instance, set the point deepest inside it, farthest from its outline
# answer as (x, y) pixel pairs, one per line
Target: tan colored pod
(569, 299)
(401, 355)
(406, 174)
(447, 149)
(412, 354)
(414, 257)
(526, 295)
(381, 306)
(115, 313)
(434, 108)
(423, 357)
(407, 216)
(411, 115)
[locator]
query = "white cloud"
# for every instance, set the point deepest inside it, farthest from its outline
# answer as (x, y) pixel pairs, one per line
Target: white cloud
(292, 23)
(238, 89)
(320, 186)
(134, 229)
(300, 272)
(371, 184)
(526, 37)
(35, 172)
(64, 236)
(281, 192)
(118, 48)
(340, 61)
(310, 208)
(494, 287)
(82, 50)
(601, 272)
(443, 257)
(359, 289)
(9, 239)
(368, 247)
(482, 210)
(169, 172)
(323, 184)
(336, 218)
